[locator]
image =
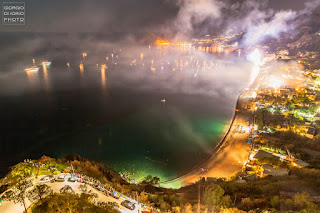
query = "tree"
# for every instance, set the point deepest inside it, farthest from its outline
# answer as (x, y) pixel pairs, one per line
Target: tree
(231, 210)
(164, 206)
(302, 201)
(143, 197)
(21, 171)
(113, 204)
(176, 209)
(19, 193)
(155, 180)
(246, 203)
(150, 180)
(89, 195)
(64, 203)
(71, 203)
(187, 208)
(39, 191)
(111, 207)
(83, 188)
(288, 203)
(66, 190)
(275, 202)
(213, 196)
(45, 159)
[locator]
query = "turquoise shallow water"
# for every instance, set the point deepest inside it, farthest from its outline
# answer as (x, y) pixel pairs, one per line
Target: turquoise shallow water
(160, 140)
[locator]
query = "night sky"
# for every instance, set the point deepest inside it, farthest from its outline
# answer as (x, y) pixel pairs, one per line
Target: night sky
(136, 16)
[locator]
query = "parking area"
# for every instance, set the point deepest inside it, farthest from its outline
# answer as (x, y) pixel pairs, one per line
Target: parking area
(74, 181)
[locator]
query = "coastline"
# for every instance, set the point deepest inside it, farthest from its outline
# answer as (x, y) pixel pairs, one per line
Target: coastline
(224, 158)
(227, 157)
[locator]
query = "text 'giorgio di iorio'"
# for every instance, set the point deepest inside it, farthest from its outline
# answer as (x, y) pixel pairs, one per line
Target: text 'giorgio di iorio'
(13, 13)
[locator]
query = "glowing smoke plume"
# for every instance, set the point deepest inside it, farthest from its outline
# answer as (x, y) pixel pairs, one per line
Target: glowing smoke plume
(255, 58)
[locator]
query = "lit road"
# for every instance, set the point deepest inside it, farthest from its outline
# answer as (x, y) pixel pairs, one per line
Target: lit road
(10, 206)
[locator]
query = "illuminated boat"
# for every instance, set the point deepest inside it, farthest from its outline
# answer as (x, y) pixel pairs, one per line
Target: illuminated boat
(32, 69)
(48, 63)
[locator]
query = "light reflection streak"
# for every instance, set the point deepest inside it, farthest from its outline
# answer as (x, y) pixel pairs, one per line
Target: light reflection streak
(104, 80)
(81, 69)
(45, 76)
(33, 78)
(103, 76)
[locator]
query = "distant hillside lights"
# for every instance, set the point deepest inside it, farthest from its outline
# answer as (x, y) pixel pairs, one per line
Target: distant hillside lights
(210, 44)
(283, 54)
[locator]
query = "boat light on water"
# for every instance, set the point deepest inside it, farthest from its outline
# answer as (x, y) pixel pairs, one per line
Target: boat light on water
(48, 63)
(32, 69)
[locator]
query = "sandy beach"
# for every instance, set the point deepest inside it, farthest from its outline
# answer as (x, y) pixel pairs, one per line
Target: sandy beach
(228, 157)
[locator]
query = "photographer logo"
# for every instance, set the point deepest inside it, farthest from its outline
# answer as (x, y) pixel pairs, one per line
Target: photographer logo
(13, 13)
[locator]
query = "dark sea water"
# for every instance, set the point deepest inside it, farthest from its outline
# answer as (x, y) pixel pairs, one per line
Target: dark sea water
(116, 115)
(128, 129)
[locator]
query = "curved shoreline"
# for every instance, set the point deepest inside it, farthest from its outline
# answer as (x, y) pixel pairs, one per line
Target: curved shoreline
(218, 154)
(214, 150)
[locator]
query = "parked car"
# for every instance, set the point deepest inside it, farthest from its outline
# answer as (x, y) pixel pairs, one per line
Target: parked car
(203, 169)
(47, 179)
(60, 178)
(72, 179)
(128, 204)
(147, 210)
(6, 195)
(116, 195)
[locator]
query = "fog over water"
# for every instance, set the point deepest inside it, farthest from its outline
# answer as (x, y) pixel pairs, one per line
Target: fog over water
(117, 114)
(129, 104)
